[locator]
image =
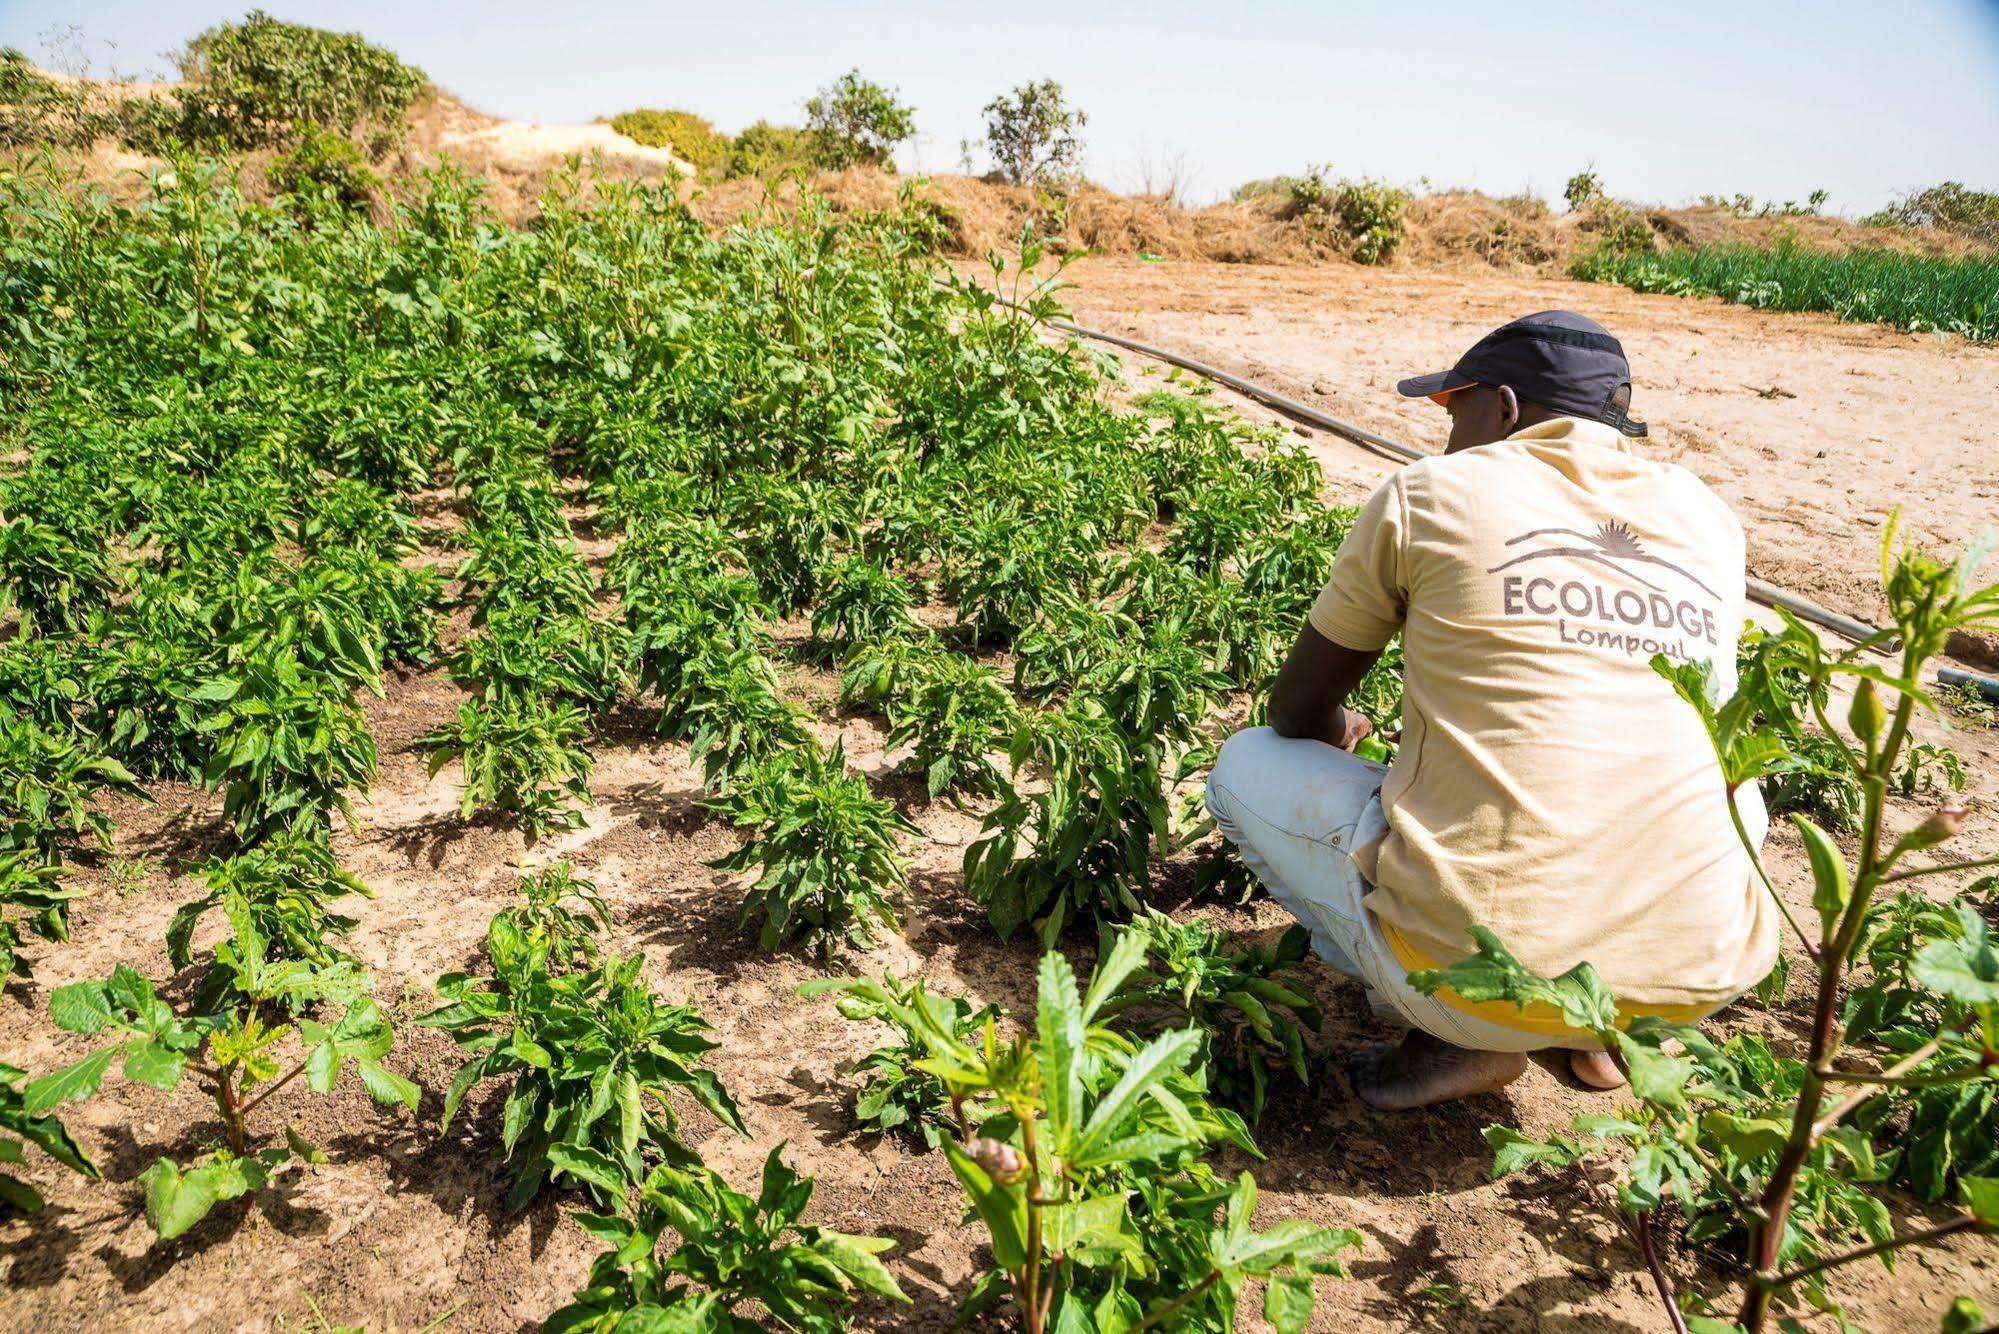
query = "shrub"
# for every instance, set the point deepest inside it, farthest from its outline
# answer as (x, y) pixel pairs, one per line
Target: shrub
(765, 149)
(1365, 214)
(1031, 134)
(855, 121)
(322, 165)
(250, 82)
(693, 139)
(1951, 207)
(1584, 187)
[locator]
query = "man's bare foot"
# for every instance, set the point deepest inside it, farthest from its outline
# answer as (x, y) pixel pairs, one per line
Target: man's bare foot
(1595, 1069)
(1425, 1070)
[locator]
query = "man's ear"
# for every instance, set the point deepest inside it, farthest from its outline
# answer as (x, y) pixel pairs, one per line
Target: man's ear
(1509, 408)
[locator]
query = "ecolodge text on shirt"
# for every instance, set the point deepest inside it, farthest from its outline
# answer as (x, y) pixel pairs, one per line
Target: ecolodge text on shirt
(1588, 613)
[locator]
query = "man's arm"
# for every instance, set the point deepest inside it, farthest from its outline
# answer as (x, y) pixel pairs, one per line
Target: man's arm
(1311, 690)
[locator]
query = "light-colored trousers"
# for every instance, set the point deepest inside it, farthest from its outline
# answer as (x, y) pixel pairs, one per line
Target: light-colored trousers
(1296, 810)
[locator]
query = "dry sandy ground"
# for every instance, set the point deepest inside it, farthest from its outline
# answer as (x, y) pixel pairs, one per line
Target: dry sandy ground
(404, 1226)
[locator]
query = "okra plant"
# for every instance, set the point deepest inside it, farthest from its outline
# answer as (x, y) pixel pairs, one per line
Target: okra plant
(241, 1054)
(1088, 1172)
(1776, 1155)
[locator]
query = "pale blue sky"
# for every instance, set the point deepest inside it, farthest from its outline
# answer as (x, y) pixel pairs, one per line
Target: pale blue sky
(1669, 101)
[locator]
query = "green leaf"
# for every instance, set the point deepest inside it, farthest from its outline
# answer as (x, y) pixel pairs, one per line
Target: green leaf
(81, 1007)
(1003, 1209)
(1287, 1303)
(303, 1147)
(148, 1062)
(387, 1087)
(1513, 1152)
(855, 1257)
(72, 1083)
(1160, 1059)
(1981, 1196)
(175, 1201)
(1655, 1076)
(1494, 974)
(1965, 970)
(587, 1164)
(1060, 1018)
(1963, 1317)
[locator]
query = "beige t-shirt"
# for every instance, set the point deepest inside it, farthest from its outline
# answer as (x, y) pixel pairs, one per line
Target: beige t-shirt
(1550, 785)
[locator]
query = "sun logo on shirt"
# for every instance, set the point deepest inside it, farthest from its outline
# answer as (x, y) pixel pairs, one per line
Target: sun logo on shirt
(1612, 544)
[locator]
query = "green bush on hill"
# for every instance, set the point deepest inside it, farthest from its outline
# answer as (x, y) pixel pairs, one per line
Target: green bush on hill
(692, 138)
(1951, 207)
(249, 83)
(323, 165)
(764, 149)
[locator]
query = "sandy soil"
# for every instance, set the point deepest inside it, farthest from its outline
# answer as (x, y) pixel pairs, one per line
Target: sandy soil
(404, 1226)
(516, 143)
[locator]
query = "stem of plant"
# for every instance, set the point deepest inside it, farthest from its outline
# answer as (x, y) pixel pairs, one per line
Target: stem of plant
(1766, 1236)
(1178, 1303)
(1032, 1309)
(1962, 1223)
(1642, 1230)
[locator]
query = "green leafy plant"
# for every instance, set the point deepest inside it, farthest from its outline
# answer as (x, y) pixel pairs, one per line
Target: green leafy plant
(593, 1053)
(284, 885)
(524, 756)
(957, 717)
(19, 1127)
(249, 82)
(1769, 1152)
(895, 1096)
(825, 850)
(50, 784)
(288, 744)
(563, 911)
(239, 1059)
(1254, 1022)
(857, 121)
(731, 1249)
(1031, 133)
(862, 601)
(32, 898)
(1087, 1171)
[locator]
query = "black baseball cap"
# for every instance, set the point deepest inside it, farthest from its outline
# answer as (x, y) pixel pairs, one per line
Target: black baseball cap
(1568, 363)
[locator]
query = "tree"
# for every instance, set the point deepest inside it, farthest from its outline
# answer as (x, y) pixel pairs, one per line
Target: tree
(1031, 133)
(855, 120)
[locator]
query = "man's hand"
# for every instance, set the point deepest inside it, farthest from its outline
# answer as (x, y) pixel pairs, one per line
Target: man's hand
(1354, 728)
(1311, 687)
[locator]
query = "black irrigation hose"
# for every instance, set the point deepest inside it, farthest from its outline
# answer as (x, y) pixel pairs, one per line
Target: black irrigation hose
(1768, 594)
(1987, 686)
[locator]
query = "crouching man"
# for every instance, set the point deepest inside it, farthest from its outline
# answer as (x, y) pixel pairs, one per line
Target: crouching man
(1548, 785)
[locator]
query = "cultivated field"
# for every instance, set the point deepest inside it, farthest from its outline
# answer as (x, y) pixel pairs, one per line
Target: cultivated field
(531, 714)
